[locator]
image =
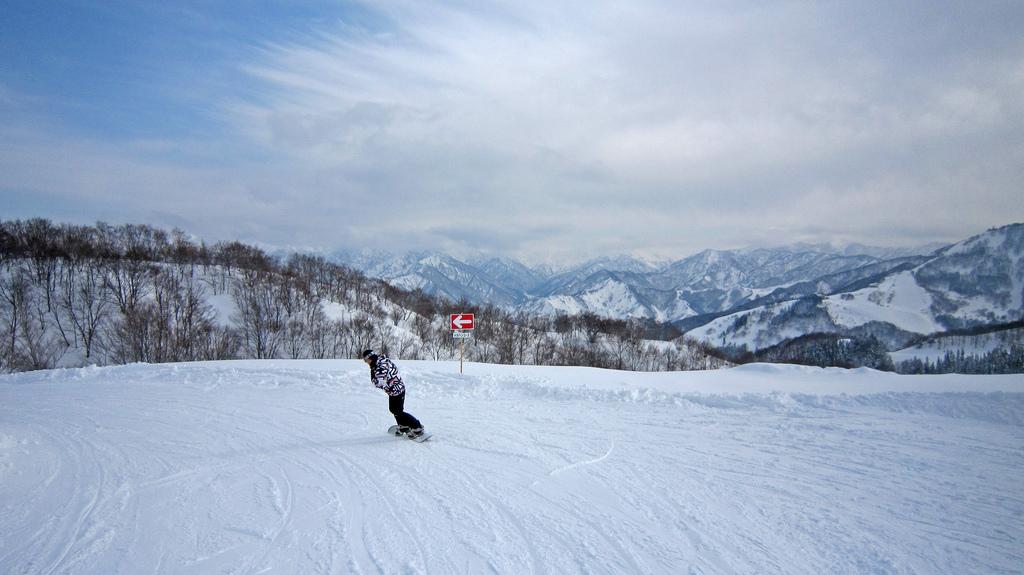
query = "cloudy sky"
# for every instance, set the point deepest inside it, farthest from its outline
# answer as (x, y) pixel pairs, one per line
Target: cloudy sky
(547, 131)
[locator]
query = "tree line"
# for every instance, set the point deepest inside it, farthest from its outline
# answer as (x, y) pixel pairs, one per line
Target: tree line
(1003, 360)
(825, 350)
(76, 295)
(998, 348)
(849, 351)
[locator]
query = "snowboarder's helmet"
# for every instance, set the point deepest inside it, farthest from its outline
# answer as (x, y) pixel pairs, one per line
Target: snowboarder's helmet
(368, 353)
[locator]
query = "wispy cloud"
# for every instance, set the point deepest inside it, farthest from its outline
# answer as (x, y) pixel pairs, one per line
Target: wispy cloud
(568, 129)
(769, 115)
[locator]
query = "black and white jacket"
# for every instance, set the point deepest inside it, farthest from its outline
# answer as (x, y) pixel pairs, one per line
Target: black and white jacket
(384, 375)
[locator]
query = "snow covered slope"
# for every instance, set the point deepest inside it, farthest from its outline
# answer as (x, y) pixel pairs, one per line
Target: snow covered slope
(975, 282)
(283, 467)
(979, 280)
(604, 293)
(898, 300)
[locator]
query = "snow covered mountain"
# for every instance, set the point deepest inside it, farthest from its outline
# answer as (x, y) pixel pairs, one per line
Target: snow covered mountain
(284, 467)
(501, 282)
(714, 281)
(623, 287)
(609, 294)
(754, 298)
(975, 282)
(512, 275)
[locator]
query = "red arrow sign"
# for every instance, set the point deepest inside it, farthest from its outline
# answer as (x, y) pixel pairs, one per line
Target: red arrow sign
(462, 321)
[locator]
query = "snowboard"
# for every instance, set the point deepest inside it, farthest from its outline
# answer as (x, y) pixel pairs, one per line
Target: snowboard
(393, 430)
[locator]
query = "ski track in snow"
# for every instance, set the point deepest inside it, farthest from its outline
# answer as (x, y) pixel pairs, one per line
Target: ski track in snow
(571, 466)
(284, 467)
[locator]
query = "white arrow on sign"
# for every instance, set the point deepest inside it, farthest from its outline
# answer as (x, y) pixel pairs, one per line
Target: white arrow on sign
(461, 322)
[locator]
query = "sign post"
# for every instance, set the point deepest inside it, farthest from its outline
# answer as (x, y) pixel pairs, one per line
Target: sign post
(462, 325)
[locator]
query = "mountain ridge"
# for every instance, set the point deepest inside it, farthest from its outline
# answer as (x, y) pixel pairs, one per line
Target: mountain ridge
(975, 282)
(755, 297)
(709, 282)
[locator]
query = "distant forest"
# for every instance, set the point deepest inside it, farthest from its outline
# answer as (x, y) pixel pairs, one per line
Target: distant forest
(74, 295)
(1006, 357)
(835, 350)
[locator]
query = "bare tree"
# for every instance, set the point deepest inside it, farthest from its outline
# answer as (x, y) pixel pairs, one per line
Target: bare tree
(128, 281)
(40, 346)
(193, 317)
(14, 295)
(85, 301)
(260, 318)
(362, 335)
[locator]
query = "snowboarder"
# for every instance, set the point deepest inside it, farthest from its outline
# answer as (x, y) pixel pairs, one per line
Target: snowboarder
(384, 375)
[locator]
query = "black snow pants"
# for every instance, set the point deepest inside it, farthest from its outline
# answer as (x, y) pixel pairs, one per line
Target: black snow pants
(396, 403)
